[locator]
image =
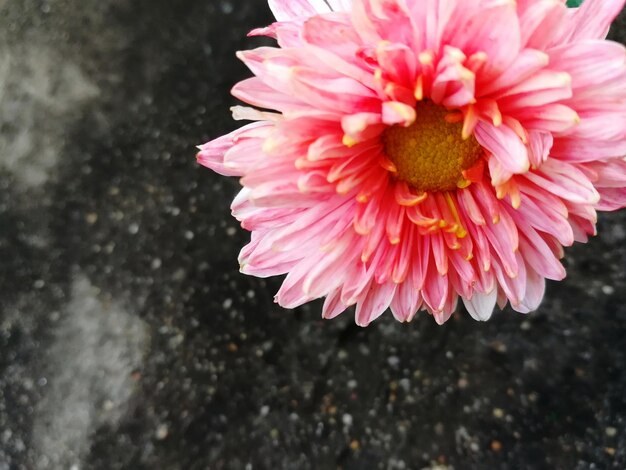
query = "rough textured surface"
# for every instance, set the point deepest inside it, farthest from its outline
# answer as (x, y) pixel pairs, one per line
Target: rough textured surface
(128, 339)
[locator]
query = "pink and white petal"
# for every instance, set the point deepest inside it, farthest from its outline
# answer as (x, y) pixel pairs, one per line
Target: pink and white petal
(328, 273)
(453, 84)
(556, 118)
(340, 5)
(590, 21)
(287, 34)
(443, 315)
(505, 145)
(246, 113)
(542, 210)
(435, 290)
(465, 271)
(244, 156)
(582, 229)
(564, 180)
(288, 10)
(449, 308)
(601, 125)
(480, 306)
(406, 302)
(431, 19)
(513, 286)
(398, 63)
(611, 199)
(328, 147)
(526, 64)
(276, 266)
(272, 66)
(491, 28)
(253, 91)
(257, 257)
(543, 87)
(255, 218)
(503, 238)
(583, 219)
(382, 19)
(591, 64)
(540, 144)
(212, 153)
(332, 44)
(333, 93)
(398, 113)
(578, 151)
(291, 293)
(540, 22)
(360, 127)
(610, 174)
(535, 290)
(332, 32)
(499, 174)
(374, 303)
(333, 306)
(539, 256)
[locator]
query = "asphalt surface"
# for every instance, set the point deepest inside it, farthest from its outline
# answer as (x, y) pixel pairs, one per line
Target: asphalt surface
(129, 340)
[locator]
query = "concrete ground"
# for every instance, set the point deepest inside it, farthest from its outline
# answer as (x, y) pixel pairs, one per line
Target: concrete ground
(129, 340)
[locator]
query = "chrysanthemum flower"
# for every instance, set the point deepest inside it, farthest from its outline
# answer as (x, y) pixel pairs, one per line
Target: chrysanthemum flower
(408, 153)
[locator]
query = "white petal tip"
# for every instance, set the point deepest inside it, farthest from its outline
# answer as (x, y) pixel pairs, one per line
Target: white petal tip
(480, 306)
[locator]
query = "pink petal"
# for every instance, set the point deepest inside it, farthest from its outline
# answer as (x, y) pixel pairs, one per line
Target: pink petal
(611, 199)
(527, 63)
(257, 93)
(398, 113)
(535, 290)
(505, 145)
(333, 305)
(487, 28)
(339, 94)
(566, 181)
(406, 302)
(286, 10)
(375, 302)
(576, 150)
(541, 21)
(591, 20)
(212, 153)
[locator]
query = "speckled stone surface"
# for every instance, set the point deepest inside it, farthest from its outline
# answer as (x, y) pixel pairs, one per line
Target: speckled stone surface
(129, 340)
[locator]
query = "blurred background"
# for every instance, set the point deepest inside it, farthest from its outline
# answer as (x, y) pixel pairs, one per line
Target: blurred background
(129, 340)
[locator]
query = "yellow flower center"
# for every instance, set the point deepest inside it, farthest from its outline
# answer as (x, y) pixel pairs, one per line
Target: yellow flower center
(430, 154)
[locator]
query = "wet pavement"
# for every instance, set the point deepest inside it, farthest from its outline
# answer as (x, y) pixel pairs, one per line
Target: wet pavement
(129, 340)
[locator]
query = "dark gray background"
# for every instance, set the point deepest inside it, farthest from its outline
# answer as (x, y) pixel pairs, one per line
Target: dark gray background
(128, 339)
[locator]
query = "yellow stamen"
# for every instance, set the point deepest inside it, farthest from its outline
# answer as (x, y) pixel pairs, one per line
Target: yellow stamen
(460, 231)
(426, 58)
(463, 183)
(469, 123)
(349, 141)
(497, 118)
(431, 154)
(419, 88)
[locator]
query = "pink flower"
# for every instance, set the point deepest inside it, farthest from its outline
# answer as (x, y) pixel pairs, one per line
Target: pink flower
(423, 151)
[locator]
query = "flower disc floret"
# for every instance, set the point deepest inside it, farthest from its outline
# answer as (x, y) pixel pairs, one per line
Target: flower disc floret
(430, 154)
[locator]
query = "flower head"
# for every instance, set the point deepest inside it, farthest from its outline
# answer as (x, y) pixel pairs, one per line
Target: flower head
(418, 152)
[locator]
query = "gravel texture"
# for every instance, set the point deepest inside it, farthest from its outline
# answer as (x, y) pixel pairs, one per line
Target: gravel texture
(129, 340)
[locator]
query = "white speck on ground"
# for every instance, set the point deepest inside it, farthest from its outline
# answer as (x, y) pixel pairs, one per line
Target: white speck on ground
(39, 92)
(97, 346)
